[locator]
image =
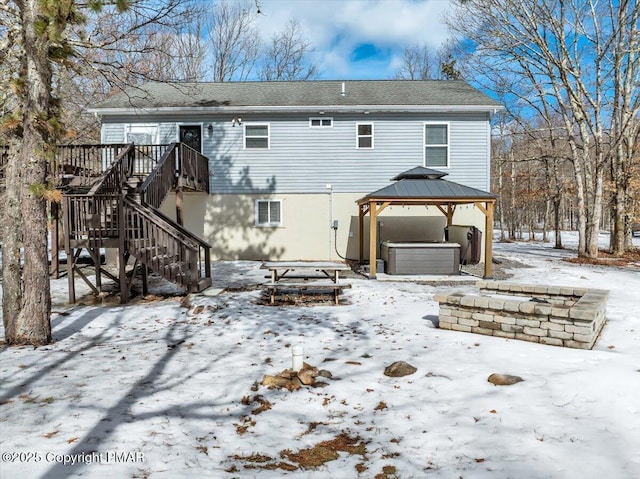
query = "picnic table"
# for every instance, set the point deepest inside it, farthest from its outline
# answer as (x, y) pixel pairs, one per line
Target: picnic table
(305, 275)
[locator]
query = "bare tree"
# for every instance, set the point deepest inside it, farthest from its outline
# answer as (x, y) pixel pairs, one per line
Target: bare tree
(287, 56)
(234, 41)
(625, 128)
(49, 44)
(558, 54)
(418, 63)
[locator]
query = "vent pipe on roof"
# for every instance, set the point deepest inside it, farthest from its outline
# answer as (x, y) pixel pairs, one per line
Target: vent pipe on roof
(344, 91)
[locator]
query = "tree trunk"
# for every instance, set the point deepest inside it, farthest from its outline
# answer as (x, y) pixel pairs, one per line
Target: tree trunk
(11, 242)
(32, 325)
(501, 192)
(557, 205)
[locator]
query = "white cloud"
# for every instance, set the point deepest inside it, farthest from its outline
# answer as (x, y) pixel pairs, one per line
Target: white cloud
(336, 27)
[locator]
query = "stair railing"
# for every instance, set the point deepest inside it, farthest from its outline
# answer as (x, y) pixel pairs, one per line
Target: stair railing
(114, 178)
(165, 247)
(161, 180)
(193, 168)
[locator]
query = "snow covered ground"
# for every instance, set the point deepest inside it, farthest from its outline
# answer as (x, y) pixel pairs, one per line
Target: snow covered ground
(160, 389)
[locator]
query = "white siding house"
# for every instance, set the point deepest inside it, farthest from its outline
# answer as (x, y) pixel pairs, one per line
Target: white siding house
(289, 159)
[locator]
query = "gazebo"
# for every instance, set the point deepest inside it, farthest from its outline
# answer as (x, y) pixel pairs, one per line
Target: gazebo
(425, 187)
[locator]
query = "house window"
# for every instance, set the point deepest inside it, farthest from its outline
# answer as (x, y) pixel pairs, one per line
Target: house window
(321, 122)
(436, 144)
(268, 213)
(143, 134)
(256, 136)
(364, 133)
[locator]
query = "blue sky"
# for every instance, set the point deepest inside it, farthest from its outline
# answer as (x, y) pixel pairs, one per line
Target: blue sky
(358, 39)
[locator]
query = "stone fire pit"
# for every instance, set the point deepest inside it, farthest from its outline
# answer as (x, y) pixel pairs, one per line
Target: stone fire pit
(556, 315)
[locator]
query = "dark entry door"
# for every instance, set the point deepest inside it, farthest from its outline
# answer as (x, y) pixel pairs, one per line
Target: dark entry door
(191, 135)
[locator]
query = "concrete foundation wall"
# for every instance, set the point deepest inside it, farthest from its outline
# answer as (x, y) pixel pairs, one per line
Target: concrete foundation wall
(227, 222)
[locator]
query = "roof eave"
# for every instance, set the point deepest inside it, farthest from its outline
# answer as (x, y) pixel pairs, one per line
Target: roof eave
(301, 109)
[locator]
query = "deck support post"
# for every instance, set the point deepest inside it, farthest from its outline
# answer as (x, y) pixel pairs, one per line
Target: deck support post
(179, 203)
(122, 256)
(55, 238)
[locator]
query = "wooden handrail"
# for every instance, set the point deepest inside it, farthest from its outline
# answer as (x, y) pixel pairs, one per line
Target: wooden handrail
(166, 247)
(115, 176)
(193, 168)
(160, 181)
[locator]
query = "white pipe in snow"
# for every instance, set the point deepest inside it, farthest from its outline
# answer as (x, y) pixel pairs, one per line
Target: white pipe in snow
(296, 358)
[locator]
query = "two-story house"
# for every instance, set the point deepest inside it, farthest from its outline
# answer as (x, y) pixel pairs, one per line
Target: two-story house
(289, 160)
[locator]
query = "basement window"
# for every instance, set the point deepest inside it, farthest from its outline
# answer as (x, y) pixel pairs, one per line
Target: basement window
(268, 213)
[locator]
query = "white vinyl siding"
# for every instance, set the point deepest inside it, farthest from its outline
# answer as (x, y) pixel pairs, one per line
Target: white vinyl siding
(320, 122)
(364, 135)
(436, 145)
(268, 213)
(256, 136)
(304, 160)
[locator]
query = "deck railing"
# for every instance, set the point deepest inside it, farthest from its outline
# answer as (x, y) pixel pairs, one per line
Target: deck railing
(147, 157)
(86, 163)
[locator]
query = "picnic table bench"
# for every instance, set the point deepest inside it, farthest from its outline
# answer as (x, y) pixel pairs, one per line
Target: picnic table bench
(306, 275)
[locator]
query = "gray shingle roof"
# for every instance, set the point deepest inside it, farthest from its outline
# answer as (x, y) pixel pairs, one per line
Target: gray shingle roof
(315, 94)
(430, 186)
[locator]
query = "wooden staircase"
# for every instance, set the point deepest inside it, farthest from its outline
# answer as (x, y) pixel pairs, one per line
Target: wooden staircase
(111, 196)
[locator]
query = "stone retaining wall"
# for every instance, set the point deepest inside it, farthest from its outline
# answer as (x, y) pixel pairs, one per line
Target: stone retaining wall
(556, 315)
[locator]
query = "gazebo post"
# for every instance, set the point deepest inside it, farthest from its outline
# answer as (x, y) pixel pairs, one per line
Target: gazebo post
(361, 213)
(373, 215)
(450, 210)
(488, 240)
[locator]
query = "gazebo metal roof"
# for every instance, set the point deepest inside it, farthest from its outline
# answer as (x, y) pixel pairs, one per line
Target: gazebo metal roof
(425, 186)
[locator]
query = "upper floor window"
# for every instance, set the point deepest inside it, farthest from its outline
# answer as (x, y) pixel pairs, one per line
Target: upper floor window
(256, 136)
(320, 122)
(364, 135)
(268, 213)
(436, 144)
(142, 134)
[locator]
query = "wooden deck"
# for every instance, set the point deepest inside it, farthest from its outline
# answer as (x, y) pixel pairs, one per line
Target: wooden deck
(110, 198)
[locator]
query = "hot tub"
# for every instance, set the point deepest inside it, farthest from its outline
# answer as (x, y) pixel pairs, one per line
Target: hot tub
(421, 257)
